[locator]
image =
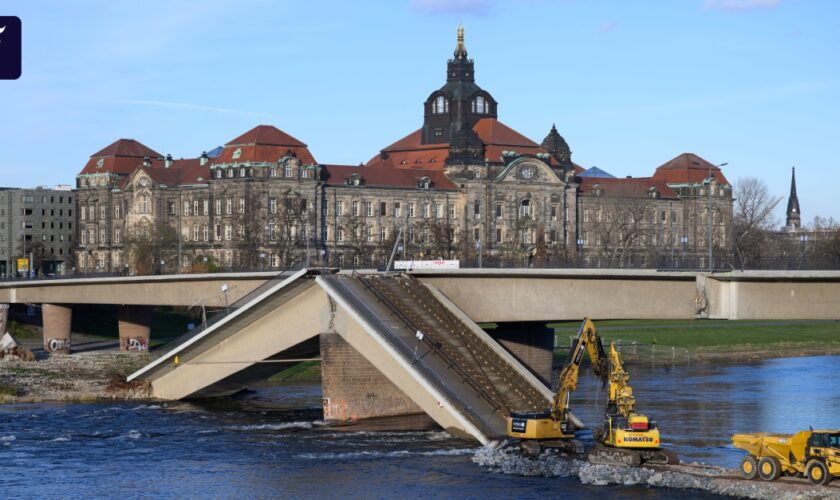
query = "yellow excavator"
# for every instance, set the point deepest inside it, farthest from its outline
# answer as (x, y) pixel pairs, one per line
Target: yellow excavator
(626, 437)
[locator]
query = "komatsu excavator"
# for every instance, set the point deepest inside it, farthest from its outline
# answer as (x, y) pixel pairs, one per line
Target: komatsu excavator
(626, 438)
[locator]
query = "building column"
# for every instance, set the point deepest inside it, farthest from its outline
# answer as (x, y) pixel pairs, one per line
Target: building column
(353, 389)
(4, 319)
(57, 319)
(532, 344)
(135, 327)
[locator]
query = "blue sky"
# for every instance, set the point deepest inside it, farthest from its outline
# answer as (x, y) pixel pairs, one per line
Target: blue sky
(754, 83)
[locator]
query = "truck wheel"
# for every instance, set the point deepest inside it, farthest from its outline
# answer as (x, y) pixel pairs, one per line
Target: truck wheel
(817, 473)
(769, 468)
(748, 468)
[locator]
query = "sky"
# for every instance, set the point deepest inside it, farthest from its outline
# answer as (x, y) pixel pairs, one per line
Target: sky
(630, 85)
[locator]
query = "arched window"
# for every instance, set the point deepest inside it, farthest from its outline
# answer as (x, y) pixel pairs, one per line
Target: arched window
(440, 105)
(480, 105)
(144, 204)
(525, 209)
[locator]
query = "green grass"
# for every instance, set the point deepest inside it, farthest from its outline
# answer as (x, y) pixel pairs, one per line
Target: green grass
(7, 390)
(23, 331)
(305, 371)
(711, 334)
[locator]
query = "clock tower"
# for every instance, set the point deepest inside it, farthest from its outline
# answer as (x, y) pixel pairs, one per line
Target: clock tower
(794, 216)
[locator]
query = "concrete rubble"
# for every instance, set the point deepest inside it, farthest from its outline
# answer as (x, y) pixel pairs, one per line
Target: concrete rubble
(11, 348)
(712, 480)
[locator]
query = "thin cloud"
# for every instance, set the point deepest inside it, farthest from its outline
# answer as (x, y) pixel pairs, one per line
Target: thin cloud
(184, 105)
(742, 5)
(462, 7)
(607, 26)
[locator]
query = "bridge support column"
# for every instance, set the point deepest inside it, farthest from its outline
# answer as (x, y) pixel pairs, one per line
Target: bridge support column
(353, 389)
(57, 319)
(135, 327)
(4, 318)
(530, 343)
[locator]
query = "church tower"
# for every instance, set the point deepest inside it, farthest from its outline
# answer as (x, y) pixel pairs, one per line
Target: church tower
(794, 216)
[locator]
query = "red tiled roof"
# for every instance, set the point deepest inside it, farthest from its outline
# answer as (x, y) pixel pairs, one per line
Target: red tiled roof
(126, 147)
(181, 172)
(633, 186)
(264, 143)
(266, 135)
(688, 168)
(336, 175)
(408, 152)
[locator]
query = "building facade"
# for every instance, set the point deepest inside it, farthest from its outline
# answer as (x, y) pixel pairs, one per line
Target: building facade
(37, 224)
(463, 186)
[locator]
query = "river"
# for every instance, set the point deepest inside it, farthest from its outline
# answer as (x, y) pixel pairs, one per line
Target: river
(271, 442)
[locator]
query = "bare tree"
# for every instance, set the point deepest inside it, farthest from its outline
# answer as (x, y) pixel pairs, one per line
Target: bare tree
(618, 223)
(36, 249)
(152, 248)
(753, 218)
(826, 247)
(289, 229)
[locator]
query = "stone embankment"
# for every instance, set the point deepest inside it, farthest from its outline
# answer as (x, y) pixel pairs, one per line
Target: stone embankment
(76, 377)
(691, 477)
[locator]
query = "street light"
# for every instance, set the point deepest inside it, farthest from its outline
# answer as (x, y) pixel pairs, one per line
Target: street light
(709, 181)
(579, 250)
(225, 289)
(684, 241)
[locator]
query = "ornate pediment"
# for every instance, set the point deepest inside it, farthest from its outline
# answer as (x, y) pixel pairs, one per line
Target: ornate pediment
(528, 170)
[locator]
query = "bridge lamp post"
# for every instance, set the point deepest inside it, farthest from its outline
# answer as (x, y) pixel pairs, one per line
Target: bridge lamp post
(684, 241)
(803, 240)
(225, 289)
(579, 250)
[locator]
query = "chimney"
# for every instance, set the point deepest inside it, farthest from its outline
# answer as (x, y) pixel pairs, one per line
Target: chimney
(147, 162)
(168, 162)
(204, 159)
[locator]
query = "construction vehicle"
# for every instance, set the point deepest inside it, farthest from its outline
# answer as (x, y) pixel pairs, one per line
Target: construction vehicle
(627, 438)
(813, 454)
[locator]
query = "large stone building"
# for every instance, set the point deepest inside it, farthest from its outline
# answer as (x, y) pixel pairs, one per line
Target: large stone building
(38, 225)
(463, 186)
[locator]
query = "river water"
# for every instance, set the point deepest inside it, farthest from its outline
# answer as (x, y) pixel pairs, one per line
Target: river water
(271, 442)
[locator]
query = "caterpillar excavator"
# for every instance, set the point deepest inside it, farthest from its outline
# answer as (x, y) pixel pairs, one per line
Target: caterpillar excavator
(625, 438)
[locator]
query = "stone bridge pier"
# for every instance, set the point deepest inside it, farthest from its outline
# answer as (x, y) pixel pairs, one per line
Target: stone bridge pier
(135, 324)
(531, 343)
(57, 319)
(4, 318)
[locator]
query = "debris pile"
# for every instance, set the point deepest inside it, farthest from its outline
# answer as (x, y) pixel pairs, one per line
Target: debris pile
(511, 461)
(11, 348)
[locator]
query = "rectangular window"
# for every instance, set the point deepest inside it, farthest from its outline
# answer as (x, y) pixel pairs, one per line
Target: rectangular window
(117, 235)
(84, 237)
(340, 234)
(206, 233)
(498, 235)
(219, 206)
(287, 170)
(241, 231)
(187, 208)
(339, 208)
(272, 205)
(102, 213)
(477, 234)
(553, 212)
(397, 209)
(195, 232)
(195, 207)
(411, 234)
(383, 208)
(83, 213)
(228, 206)
(383, 233)
(499, 210)
(477, 208)
(426, 210)
(438, 211)
(102, 236)
(205, 209)
(411, 209)
(228, 232)
(241, 205)
(218, 232)
(552, 236)
(586, 216)
(369, 233)
(451, 210)
(673, 216)
(171, 207)
(355, 211)
(369, 208)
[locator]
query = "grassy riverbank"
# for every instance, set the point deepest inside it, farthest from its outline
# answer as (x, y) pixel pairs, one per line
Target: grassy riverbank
(712, 339)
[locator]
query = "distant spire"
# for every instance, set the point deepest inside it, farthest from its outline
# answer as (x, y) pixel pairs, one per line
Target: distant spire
(794, 215)
(460, 49)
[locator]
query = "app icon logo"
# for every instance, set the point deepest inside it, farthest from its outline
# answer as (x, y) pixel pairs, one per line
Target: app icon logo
(10, 48)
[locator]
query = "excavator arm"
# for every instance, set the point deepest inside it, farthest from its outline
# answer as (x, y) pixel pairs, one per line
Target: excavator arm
(587, 340)
(621, 399)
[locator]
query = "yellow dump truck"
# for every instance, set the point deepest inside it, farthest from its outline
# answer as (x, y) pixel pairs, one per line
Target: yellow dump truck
(813, 454)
